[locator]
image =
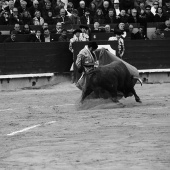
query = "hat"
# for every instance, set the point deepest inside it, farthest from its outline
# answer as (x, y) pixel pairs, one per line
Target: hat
(75, 11)
(116, 1)
(35, 2)
(147, 7)
(77, 30)
(118, 32)
(14, 32)
(10, 2)
(87, 10)
(84, 26)
(23, 2)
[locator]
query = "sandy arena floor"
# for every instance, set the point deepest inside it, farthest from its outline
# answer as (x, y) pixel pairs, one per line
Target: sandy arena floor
(47, 129)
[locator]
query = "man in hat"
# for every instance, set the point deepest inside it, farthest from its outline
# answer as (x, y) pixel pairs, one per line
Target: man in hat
(76, 38)
(121, 46)
(86, 18)
(84, 35)
(86, 61)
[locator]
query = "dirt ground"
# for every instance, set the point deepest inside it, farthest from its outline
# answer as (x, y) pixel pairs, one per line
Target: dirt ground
(48, 129)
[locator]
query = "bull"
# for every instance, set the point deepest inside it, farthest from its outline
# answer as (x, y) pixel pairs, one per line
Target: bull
(112, 78)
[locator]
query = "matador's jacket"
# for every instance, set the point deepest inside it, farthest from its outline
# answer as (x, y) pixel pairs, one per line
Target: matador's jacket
(86, 59)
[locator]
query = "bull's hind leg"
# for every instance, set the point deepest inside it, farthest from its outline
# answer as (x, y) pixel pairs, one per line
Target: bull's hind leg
(112, 89)
(136, 96)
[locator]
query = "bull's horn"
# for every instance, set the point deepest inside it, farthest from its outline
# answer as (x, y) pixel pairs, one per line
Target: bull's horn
(138, 80)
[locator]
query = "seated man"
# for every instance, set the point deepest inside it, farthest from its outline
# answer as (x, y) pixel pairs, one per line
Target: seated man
(63, 37)
(47, 36)
(12, 37)
(157, 35)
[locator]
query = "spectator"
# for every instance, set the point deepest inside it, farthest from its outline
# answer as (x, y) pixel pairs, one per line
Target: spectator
(108, 29)
(105, 8)
(96, 27)
(82, 8)
(122, 17)
(87, 18)
(99, 17)
(17, 28)
(46, 9)
(36, 37)
(141, 8)
(12, 37)
(131, 31)
(35, 7)
(70, 7)
(15, 18)
(84, 35)
(47, 37)
(149, 17)
(1, 8)
(166, 8)
(139, 35)
(98, 3)
(157, 35)
(154, 7)
(57, 29)
(26, 18)
(26, 29)
(4, 18)
(92, 9)
(63, 18)
(116, 7)
(22, 7)
(10, 7)
(111, 17)
(63, 37)
(127, 5)
(121, 28)
(57, 7)
(38, 20)
(165, 26)
(121, 46)
(134, 17)
(49, 18)
(75, 19)
(44, 26)
(160, 16)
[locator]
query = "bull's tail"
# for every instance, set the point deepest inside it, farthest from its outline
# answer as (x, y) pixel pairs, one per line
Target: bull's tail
(138, 79)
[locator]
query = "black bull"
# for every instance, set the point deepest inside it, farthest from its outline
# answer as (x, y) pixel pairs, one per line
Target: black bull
(112, 77)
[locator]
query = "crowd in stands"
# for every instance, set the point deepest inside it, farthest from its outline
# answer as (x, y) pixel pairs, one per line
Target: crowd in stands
(99, 13)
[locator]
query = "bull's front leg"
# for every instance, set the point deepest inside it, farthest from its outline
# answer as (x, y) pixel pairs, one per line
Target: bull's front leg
(136, 96)
(85, 93)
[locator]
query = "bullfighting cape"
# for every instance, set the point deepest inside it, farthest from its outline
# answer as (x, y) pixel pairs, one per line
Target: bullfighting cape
(105, 57)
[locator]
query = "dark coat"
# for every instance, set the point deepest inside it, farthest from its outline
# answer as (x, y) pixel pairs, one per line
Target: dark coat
(9, 40)
(83, 20)
(109, 20)
(63, 39)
